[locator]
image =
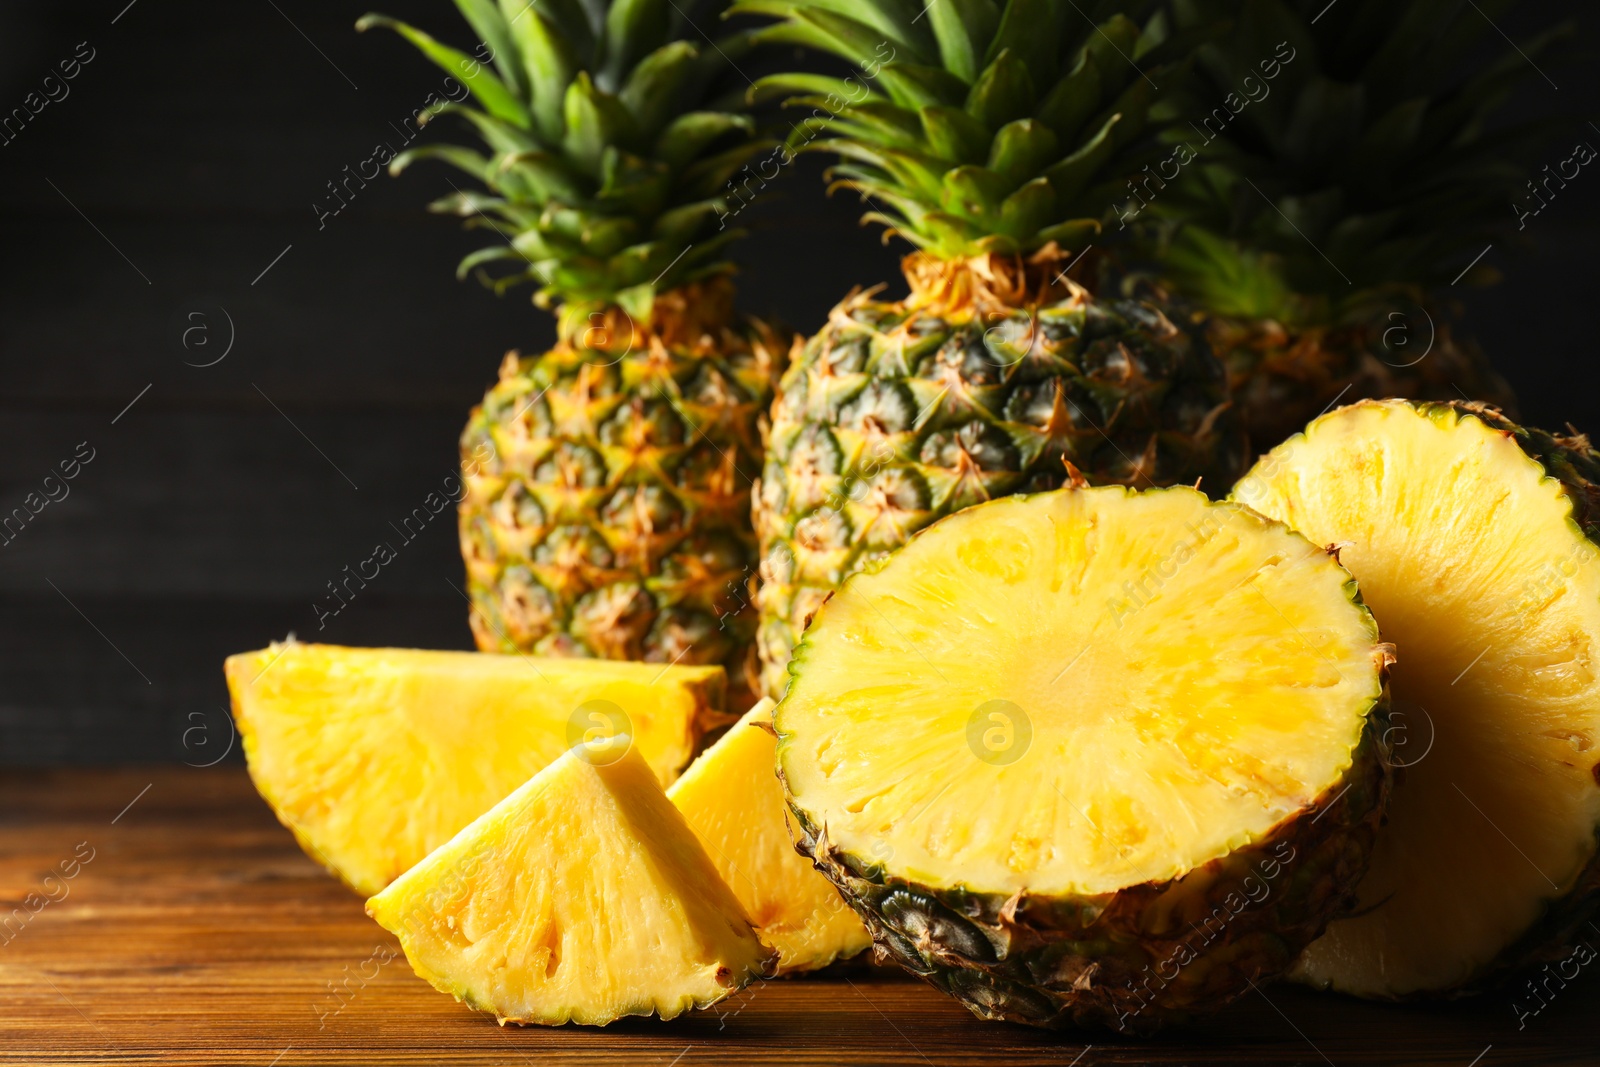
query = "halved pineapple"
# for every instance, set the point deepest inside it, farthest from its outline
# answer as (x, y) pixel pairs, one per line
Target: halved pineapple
(581, 897)
(1091, 755)
(732, 799)
(1474, 540)
(374, 757)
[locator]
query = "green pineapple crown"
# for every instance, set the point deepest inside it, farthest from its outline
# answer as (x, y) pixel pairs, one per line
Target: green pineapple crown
(981, 126)
(1364, 165)
(606, 147)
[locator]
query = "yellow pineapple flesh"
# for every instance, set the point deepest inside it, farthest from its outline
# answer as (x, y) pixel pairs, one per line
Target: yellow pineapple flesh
(1053, 749)
(374, 757)
(733, 800)
(1217, 653)
(582, 897)
(1474, 541)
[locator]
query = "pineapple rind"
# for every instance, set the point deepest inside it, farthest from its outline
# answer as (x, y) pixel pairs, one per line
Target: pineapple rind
(1094, 959)
(606, 503)
(893, 416)
(1573, 463)
(1089, 961)
(1283, 378)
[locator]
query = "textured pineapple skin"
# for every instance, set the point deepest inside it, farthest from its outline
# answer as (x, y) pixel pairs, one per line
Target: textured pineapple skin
(605, 506)
(1282, 379)
(1569, 459)
(892, 417)
(1143, 957)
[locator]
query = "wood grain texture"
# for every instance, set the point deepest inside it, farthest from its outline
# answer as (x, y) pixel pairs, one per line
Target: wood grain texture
(199, 934)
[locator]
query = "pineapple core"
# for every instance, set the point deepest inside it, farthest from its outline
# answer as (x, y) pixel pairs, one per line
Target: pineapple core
(1077, 692)
(374, 757)
(581, 897)
(1468, 556)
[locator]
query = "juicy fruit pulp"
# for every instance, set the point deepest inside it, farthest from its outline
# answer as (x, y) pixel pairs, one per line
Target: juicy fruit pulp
(1464, 531)
(581, 897)
(376, 756)
(897, 414)
(733, 801)
(1054, 731)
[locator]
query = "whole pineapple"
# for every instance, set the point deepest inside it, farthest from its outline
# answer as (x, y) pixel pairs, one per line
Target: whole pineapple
(1333, 175)
(606, 481)
(992, 137)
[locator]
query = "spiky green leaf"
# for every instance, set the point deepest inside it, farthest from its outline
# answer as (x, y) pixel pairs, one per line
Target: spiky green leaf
(963, 29)
(488, 89)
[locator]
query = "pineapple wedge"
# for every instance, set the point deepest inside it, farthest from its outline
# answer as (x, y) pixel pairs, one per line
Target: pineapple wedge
(374, 757)
(581, 897)
(733, 801)
(1477, 545)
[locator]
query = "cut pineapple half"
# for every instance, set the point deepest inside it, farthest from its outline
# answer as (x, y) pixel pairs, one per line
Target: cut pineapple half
(374, 757)
(1464, 531)
(581, 897)
(732, 799)
(1061, 749)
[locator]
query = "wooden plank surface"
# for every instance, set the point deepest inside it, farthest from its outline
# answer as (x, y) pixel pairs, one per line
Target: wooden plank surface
(195, 932)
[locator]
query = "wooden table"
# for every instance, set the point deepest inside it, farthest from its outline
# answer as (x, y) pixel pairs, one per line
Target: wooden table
(199, 934)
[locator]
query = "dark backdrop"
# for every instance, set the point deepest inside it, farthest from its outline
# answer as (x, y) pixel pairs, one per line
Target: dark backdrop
(163, 210)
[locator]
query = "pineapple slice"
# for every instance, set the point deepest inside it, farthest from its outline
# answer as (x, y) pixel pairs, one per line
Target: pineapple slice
(374, 757)
(732, 799)
(581, 897)
(1467, 533)
(1091, 755)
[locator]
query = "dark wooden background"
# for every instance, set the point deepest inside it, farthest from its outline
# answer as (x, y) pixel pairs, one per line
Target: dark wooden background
(184, 162)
